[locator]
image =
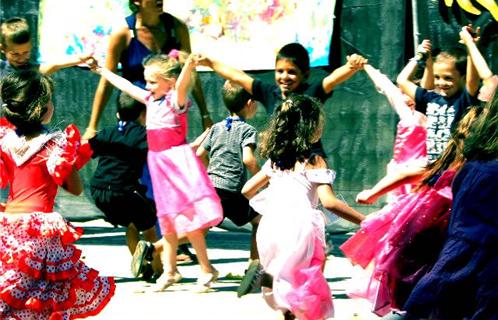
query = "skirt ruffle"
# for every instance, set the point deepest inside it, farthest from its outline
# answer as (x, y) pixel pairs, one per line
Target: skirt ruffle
(42, 276)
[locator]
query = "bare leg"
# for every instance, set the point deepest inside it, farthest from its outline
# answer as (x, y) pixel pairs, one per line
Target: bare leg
(150, 235)
(254, 245)
(199, 243)
(132, 237)
(168, 255)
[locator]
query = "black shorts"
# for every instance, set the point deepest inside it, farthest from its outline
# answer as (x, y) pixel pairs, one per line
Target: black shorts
(125, 207)
(236, 207)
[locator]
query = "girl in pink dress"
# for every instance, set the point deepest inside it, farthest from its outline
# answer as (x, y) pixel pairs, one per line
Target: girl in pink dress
(185, 199)
(410, 152)
(41, 274)
(291, 234)
(402, 241)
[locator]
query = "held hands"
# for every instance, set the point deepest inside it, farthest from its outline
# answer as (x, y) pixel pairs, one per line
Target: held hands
(202, 60)
(365, 197)
(356, 62)
(468, 35)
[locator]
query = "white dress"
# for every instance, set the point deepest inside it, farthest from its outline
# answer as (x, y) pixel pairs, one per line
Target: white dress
(291, 241)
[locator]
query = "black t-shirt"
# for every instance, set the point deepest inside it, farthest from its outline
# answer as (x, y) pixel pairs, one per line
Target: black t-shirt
(270, 96)
(121, 155)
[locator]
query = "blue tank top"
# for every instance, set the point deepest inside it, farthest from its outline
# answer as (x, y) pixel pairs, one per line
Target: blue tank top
(132, 57)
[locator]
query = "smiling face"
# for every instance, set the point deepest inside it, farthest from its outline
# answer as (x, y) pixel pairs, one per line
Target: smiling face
(156, 84)
(447, 79)
(17, 55)
(287, 76)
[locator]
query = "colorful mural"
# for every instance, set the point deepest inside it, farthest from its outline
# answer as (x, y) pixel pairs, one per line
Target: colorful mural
(69, 27)
(248, 33)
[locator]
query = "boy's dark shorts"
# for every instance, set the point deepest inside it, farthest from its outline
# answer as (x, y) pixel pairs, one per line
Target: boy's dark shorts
(236, 207)
(125, 207)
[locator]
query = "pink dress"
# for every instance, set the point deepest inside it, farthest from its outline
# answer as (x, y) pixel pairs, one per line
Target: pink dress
(41, 274)
(291, 241)
(185, 198)
(410, 144)
(402, 241)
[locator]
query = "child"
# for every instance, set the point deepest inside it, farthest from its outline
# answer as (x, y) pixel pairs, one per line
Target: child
(186, 201)
(15, 44)
(115, 186)
(456, 84)
(410, 151)
(292, 67)
(291, 234)
(463, 283)
(403, 239)
(230, 144)
(42, 276)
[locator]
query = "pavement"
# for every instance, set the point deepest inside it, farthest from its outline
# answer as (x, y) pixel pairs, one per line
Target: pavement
(104, 249)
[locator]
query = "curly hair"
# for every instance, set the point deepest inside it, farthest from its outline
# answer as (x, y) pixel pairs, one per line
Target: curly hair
(25, 95)
(296, 125)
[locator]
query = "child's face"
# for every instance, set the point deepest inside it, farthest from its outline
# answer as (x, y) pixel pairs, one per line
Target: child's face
(156, 84)
(447, 79)
(287, 76)
(17, 55)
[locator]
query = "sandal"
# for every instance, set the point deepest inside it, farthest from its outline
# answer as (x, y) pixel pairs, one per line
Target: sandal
(251, 281)
(143, 252)
(205, 281)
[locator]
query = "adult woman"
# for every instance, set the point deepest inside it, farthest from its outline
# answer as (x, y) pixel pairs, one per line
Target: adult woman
(148, 30)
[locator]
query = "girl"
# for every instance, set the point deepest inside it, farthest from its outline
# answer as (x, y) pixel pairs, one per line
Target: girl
(404, 238)
(185, 199)
(294, 256)
(41, 276)
(463, 284)
(410, 153)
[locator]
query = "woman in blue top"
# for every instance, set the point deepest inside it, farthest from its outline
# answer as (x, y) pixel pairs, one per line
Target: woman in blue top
(148, 30)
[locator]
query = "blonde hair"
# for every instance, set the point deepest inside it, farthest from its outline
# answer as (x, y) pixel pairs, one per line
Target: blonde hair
(168, 65)
(15, 30)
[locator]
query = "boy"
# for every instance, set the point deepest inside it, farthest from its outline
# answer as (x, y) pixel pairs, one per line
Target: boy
(230, 145)
(456, 83)
(292, 67)
(15, 44)
(115, 185)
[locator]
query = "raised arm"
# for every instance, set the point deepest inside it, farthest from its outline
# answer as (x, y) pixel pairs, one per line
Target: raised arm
(122, 84)
(404, 79)
(477, 66)
(183, 36)
(183, 81)
(354, 63)
(49, 68)
(235, 75)
(117, 44)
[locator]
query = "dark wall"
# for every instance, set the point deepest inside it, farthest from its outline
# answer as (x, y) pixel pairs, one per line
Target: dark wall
(360, 124)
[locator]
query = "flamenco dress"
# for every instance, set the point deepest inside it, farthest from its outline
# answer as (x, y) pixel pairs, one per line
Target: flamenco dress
(41, 274)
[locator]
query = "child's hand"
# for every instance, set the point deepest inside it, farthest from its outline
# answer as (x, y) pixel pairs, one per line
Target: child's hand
(468, 35)
(365, 197)
(202, 60)
(425, 47)
(356, 61)
(93, 64)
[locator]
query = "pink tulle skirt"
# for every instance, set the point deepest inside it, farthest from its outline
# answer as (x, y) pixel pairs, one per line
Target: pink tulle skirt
(185, 197)
(41, 274)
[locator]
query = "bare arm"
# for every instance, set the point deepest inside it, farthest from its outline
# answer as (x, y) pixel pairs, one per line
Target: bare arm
(404, 79)
(117, 44)
(183, 35)
(238, 76)
(73, 183)
(203, 155)
(249, 160)
(49, 68)
(477, 66)
(183, 82)
(354, 63)
(390, 182)
(331, 203)
(252, 186)
(124, 85)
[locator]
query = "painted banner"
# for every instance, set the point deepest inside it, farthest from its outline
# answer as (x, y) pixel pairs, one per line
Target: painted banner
(244, 33)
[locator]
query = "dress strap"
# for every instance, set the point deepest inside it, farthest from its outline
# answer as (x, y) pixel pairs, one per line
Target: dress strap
(131, 20)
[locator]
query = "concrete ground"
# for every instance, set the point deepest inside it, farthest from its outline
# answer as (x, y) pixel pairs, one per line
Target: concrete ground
(104, 249)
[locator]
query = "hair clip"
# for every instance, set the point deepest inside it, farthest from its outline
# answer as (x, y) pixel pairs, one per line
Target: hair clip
(175, 54)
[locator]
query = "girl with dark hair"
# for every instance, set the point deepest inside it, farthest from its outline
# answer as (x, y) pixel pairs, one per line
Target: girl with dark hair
(42, 276)
(291, 235)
